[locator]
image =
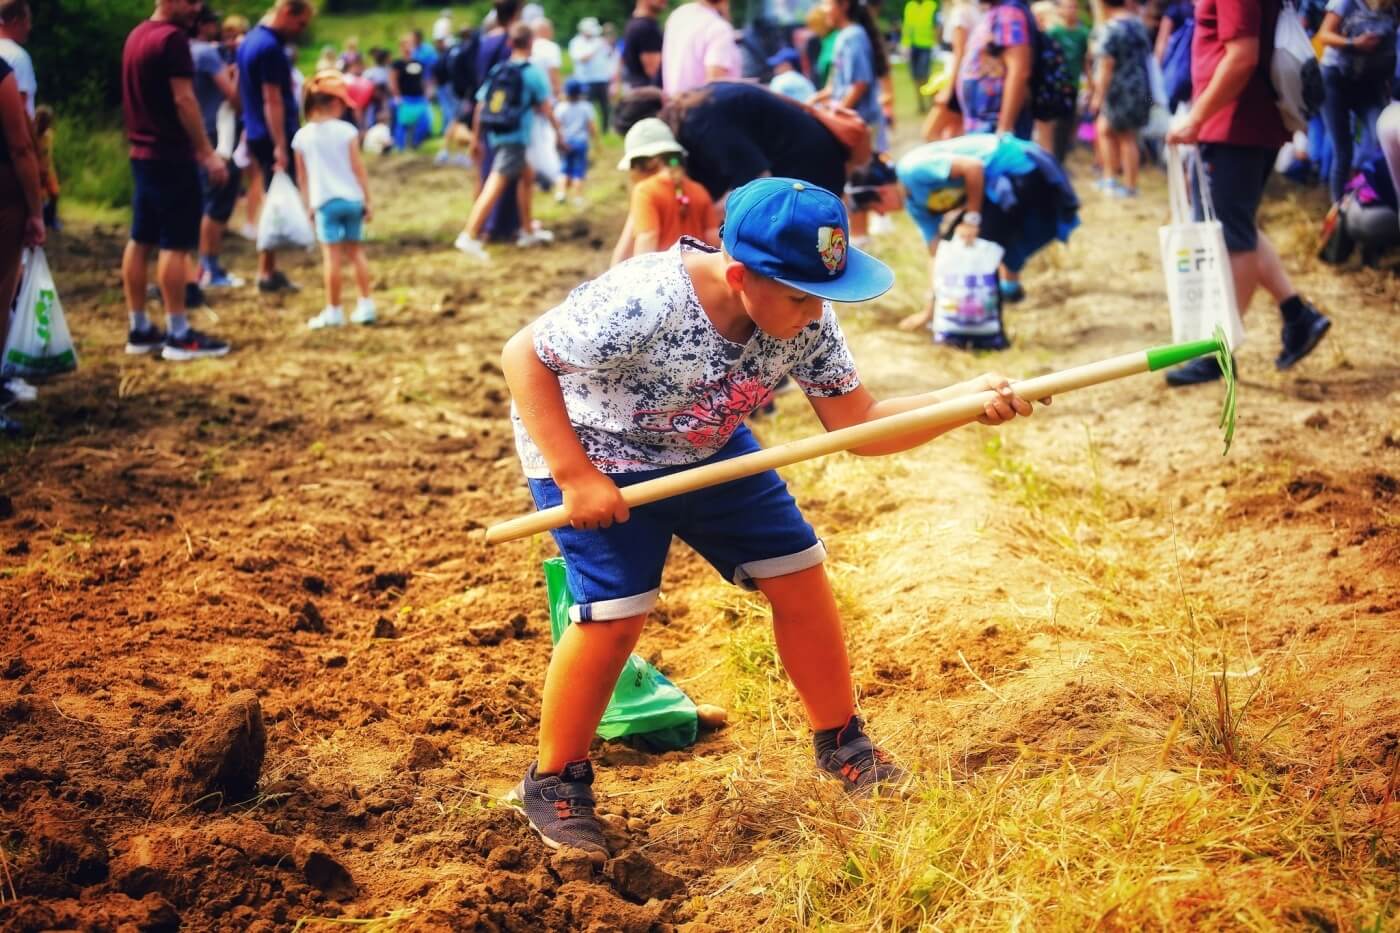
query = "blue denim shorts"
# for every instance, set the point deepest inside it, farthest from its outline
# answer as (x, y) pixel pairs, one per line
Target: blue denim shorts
(749, 529)
(339, 221)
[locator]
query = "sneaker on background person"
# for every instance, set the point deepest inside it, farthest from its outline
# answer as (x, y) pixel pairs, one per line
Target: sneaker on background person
(364, 312)
(330, 316)
(144, 338)
(1303, 329)
(561, 808)
(277, 282)
(213, 275)
(21, 391)
(192, 345)
(471, 246)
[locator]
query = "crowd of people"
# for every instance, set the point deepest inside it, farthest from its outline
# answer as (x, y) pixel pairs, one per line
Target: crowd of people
(216, 109)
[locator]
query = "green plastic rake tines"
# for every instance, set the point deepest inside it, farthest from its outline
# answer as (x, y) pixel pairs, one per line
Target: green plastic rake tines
(1162, 357)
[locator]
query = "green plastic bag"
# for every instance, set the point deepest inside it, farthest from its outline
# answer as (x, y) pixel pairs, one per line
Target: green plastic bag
(646, 710)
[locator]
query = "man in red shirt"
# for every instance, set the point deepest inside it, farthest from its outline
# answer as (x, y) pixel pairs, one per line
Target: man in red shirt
(1236, 121)
(168, 144)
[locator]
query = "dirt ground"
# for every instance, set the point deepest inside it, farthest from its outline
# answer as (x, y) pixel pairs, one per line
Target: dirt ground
(257, 665)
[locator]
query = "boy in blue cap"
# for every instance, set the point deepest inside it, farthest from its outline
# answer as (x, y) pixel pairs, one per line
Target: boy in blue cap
(649, 369)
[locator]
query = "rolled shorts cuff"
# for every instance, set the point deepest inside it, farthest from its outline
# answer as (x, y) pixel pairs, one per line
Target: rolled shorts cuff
(608, 610)
(747, 574)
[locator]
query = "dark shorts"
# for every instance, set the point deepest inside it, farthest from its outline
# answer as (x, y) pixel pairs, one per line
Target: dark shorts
(749, 529)
(920, 63)
(166, 207)
(1236, 176)
(265, 153)
(219, 202)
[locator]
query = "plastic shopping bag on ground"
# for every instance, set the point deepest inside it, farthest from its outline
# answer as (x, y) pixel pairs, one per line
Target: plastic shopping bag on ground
(39, 343)
(1200, 289)
(967, 295)
(543, 153)
(284, 224)
(646, 709)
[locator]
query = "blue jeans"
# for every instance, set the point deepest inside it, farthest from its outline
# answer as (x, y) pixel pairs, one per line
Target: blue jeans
(1348, 97)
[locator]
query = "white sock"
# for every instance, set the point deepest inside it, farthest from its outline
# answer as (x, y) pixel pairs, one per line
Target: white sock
(179, 324)
(137, 320)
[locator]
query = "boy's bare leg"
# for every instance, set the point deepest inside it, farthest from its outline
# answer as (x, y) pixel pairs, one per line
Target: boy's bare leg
(490, 194)
(331, 255)
(172, 274)
(525, 196)
(357, 254)
(1128, 154)
(812, 644)
(580, 681)
(134, 260)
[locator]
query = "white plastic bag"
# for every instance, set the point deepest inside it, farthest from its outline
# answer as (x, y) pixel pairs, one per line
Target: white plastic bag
(1294, 71)
(1200, 287)
(226, 128)
(967, 294)
(284, 224)
(39, 343)
(543, 152)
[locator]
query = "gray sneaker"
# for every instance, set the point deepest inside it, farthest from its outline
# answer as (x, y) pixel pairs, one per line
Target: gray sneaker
(560, 808)
(855, 761)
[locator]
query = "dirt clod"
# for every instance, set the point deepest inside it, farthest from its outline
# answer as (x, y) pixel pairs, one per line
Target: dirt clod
(383, 628)
(323, 871)
(389, 580)
(307, 618)
(314, 585)
(222, 759)
(639, 879)
(572, 864)
(66, 844)
(422, 755)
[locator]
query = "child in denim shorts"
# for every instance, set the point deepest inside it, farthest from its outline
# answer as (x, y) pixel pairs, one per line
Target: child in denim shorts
(652, 368)
(335, 189)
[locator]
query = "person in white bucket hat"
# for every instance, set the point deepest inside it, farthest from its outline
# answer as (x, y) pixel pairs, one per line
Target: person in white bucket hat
(666, 204)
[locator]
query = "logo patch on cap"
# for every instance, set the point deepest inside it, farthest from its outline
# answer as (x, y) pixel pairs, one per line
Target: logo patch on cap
(831, 247)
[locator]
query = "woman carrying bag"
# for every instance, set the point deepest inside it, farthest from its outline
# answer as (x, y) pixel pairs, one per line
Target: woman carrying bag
(1358, 64)
(21, 219)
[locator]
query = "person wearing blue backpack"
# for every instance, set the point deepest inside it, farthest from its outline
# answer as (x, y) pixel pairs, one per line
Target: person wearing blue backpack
(506, 104)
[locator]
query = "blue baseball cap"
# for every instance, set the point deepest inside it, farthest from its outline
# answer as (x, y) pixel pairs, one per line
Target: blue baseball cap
(796, 233)
(787, 56)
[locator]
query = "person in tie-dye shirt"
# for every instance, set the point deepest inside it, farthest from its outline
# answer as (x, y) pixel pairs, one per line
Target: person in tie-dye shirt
(995, 79)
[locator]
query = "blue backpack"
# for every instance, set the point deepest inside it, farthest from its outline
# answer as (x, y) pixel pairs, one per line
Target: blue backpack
(1176, 65)
(505, 105)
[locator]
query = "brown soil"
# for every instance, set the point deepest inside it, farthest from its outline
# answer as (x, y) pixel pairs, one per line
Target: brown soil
(257, 665)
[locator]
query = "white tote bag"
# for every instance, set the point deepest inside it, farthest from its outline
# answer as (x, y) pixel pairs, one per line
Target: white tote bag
(1200, 288)
(283, 223)
(39, 343)
(543, 152)
(967, 299)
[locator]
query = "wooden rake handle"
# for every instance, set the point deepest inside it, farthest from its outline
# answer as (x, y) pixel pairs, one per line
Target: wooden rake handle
(938, 414)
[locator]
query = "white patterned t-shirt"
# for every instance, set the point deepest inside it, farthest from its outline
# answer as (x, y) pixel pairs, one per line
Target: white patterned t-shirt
(647, 379)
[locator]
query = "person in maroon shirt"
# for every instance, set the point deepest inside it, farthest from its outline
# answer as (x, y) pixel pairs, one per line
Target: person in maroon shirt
(168, 144)
(1236, 122)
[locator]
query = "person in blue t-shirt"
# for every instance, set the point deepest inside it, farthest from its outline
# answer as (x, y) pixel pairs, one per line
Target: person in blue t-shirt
(270, 107)
(857, 61)
(1008, 191)
(508, 143)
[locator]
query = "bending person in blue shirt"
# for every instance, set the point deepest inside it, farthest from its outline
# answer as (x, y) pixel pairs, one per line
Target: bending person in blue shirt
(1005, 189)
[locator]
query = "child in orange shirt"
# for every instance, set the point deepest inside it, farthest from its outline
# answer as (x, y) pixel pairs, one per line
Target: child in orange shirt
(666, 204)
(48, 175)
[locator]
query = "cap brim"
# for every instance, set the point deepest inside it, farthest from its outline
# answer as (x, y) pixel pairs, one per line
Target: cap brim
(865, 278)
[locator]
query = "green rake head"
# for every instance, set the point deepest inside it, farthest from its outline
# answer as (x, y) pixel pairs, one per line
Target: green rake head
(1163, 357)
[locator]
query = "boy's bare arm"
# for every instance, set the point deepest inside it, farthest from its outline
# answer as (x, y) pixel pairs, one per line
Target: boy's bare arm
(860, 406)
(591, 499)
